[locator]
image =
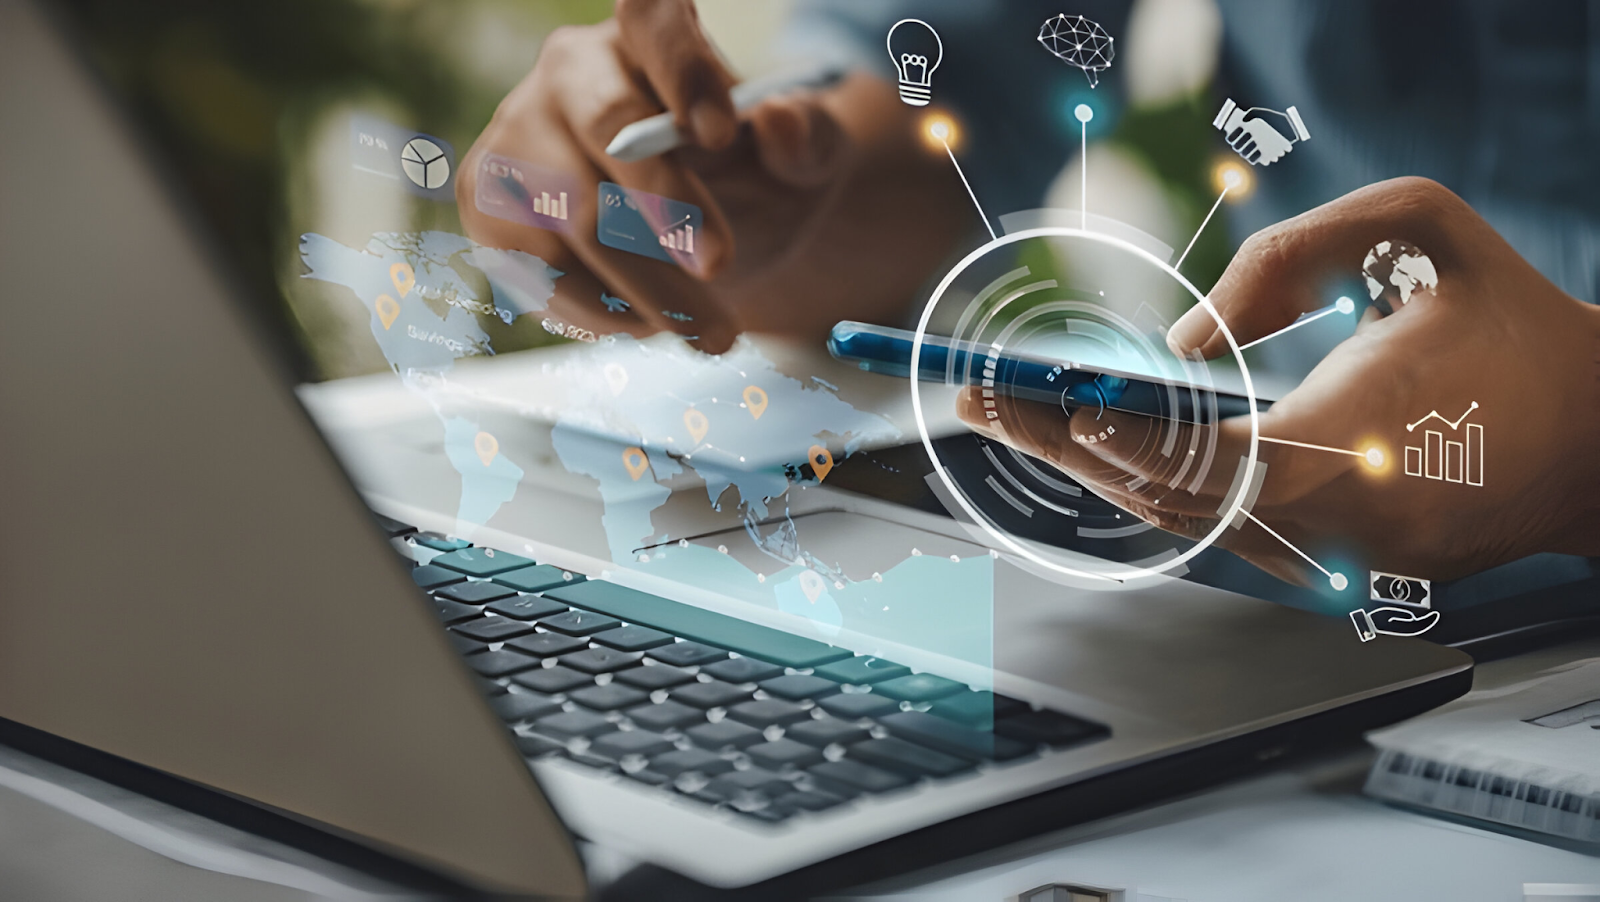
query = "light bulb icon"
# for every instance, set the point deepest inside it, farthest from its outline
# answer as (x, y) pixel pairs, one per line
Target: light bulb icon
(915, 50)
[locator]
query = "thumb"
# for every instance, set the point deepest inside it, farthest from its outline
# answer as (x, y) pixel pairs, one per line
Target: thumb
(799, 141)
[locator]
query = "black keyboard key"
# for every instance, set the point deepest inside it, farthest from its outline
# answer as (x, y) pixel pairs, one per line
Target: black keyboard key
(657, 676)
(579, 623)
(481, 562)
(430, 577)
(826, 731)
(632, 638)
(907, 759)
(500, 663)
(516, 707)
(952, 738)
(492, 629)
(537, 746)
(393, 527)
(742, 670)
(812, 800)
(723, 734)
(630, 742)
(573, 724)
(466, 646)
(755, 781)
(526, 607)
(474, 593)
(488, 687)
(852, 778)
(710, 695)
(851, 706)
(781, 753)
(610, 697)
(669, 715)
(600, 660)
(862, 669)
(439, 543)
(920, 687)
(453, 612)
(690, 760)
(798, 686)
(700, 625)
(551, 680)
(687, 654)
(599, 762)
(1050, 728)
(537, 578)
(976, 709)
(547, 645)
(768, 712)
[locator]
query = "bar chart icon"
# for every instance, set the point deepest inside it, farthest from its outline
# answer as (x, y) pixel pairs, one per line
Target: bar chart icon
(679, 236)
(1451, 453)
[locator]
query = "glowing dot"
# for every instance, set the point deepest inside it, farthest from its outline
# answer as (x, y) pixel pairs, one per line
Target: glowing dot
(1231, 178)
(1345, 305)
(939, 130)
(1083, 112)
(1375, 457)
(1338, 582)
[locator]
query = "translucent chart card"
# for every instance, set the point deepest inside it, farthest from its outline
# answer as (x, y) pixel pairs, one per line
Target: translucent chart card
(525, 193)
(419, 163)
(648, 224)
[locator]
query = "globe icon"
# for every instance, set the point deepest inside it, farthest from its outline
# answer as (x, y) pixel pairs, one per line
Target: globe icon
(1396, 270)
(1079, 42)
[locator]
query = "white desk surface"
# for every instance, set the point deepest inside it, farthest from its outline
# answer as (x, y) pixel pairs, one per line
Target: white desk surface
(1304, 833)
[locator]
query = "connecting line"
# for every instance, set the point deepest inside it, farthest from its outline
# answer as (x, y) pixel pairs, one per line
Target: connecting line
(1335, 578)
(1309, 318)
(1084, 194)
(1205, 222)
(968, 185)
(1284, 441)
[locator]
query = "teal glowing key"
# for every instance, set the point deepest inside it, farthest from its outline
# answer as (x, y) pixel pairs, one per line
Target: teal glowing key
(921, 687)
(480, 561)
(862, 670)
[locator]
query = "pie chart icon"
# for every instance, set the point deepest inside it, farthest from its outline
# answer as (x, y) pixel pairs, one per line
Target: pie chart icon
(425, 163)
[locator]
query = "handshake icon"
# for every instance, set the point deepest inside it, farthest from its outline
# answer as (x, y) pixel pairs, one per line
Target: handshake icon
(1254, 135)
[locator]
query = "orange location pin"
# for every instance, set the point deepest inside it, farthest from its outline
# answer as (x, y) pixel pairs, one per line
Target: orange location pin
(487, 447)
(388, 310)
(403, 277)
(821, 461)
(696, 423)
(636, 462)
(755, 400)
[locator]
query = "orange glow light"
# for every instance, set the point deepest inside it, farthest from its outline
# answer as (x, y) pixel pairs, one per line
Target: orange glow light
(1234, 176)
(938, 130)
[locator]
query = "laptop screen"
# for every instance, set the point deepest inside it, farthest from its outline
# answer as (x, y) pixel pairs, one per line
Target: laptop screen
(677, 266)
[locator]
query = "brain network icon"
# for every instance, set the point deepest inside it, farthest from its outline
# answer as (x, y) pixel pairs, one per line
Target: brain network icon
(1079, 42)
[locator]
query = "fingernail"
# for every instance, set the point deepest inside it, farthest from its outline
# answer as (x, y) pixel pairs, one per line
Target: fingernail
(713, 129)
(1192, 330)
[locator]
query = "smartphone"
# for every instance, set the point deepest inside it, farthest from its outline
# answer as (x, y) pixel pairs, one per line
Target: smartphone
(879, 349)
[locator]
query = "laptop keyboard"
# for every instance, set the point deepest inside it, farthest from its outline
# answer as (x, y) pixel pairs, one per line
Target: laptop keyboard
(732, 714)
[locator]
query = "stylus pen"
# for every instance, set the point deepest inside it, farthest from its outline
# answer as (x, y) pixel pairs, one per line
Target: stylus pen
(658, 134)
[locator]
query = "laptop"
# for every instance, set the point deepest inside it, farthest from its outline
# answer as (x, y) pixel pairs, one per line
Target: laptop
(275, 617)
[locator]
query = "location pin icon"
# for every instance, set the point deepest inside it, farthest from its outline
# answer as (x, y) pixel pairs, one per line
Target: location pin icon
(755, 400)
(403, 277)
(487, 447)
(821, 461)
(696, 423)
(811, 583)
(636, 462)
(388, 310)
(616, 377)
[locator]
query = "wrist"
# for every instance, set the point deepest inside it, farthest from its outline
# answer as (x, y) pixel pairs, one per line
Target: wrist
(1581, 525)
